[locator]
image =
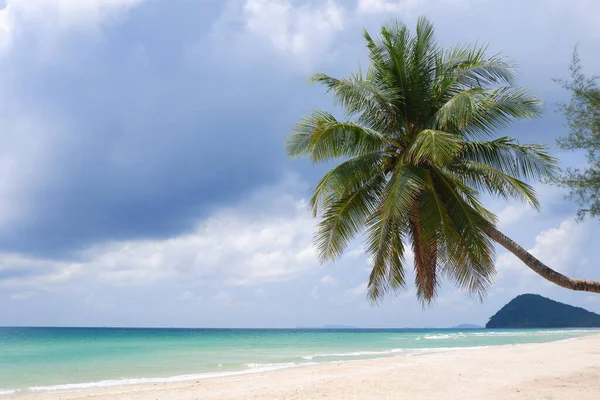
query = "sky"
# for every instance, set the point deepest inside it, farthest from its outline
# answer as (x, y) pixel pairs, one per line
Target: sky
(143, 173)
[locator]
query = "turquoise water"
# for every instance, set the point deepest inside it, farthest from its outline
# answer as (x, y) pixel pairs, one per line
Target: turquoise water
(44, 359)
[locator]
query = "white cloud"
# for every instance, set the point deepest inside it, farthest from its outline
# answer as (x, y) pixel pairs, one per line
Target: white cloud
(315, 293)
(356, 252)
(28, 150)
(19, 272)
(187, 295)
(238, 247)
(359, 290)
(401, 6)
(512, 214)
(21, 295)
(6, 29)
(559, 248)
(304, 31)
(242, 250)
(52, 16)
(378, 6)
(224, 299)
(328, 280)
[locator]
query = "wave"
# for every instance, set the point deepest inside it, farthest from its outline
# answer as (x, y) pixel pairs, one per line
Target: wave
(251, 369)
(459, 335)
(426, 350)
(404, 351)
(442, 337)
(275, 365)
(532, 333)
(353, 354)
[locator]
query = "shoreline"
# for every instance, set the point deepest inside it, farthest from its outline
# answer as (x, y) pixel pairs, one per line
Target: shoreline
(503, 366)
(65, 388)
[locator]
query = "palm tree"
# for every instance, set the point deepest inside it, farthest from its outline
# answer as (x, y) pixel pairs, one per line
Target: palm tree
(417, 151)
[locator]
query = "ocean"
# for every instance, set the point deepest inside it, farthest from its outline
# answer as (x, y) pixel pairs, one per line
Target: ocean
(55, 359)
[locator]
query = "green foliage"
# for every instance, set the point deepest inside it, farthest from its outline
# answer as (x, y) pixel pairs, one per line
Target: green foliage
(416, 155)
(534, 311)
(583, 120)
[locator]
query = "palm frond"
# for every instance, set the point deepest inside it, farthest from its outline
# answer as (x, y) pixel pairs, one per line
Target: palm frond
(373, 102)
(415, 159)
(385, 227)
(500, 108)
(387, 255)
(425, 250)
(484, 178)
(435, 147)
(323, 138)
(345, 217)
(505, 154)
(346, 178)
(470, 261)
(469, 66)
(480, 112)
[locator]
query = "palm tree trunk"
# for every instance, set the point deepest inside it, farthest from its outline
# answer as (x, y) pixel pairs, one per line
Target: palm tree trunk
(539, 267)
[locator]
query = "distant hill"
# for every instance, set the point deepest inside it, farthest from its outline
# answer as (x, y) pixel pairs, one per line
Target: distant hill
(339, 327)
(467, 326)
(328, 327)
(535, 311)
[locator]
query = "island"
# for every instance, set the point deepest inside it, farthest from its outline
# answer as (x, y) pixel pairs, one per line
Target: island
(467, 326)
(535, 311)
(336, 327)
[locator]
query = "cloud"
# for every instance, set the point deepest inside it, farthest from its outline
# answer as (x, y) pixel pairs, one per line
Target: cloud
(513, 213)
(238, 246)
(357, 291)
(559, 248)
(133, 158)
(401, 6)
(6, 30)
(328, 280)
(378, 6)
(19, 271)
(130, 134)
(53, 17)
(356, 252)
(22, 295)
(304, 32)
(224, 299)
(315, 293)
(187, 295)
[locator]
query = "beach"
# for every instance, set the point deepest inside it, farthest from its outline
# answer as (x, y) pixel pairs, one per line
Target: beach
(557, 370)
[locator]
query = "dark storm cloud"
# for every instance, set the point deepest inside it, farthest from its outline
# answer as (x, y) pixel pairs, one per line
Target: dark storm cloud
(161, 115)
(157, 127)
(16, 273)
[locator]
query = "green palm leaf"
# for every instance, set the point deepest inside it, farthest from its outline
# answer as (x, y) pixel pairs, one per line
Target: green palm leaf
(434, 147)
(508, 156)
(416, 157)
(344, 217)
(323, 138)
(346, 178)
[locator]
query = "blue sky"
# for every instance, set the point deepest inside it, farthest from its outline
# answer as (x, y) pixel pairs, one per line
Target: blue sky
(144, 181)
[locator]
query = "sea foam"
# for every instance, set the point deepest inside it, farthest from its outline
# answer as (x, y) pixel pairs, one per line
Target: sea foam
(353, 354)
(252, 369)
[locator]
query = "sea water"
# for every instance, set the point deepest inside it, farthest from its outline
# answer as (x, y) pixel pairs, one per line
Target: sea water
(54, 359)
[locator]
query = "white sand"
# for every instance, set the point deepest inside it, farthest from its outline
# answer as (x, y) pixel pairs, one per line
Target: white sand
(559, 370)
